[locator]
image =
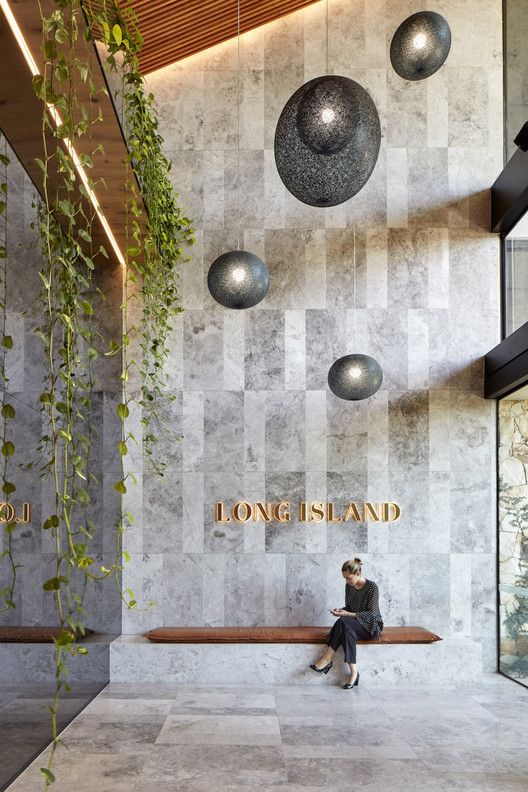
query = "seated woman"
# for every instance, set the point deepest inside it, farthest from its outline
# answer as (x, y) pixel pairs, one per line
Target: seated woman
(360, 618)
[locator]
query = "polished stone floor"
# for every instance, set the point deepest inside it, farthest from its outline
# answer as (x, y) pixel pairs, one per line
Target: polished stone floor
(151, 738)
(25, 722)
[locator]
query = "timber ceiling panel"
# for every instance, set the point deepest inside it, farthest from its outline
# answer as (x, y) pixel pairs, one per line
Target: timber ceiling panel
(175, 29)
(21, 120)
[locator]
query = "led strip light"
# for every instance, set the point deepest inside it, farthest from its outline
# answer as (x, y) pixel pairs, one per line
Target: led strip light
(15, 29)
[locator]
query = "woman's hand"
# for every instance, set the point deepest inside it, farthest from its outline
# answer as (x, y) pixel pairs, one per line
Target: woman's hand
(338, 611)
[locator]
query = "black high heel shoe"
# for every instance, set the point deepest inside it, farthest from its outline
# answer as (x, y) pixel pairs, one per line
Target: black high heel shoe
(324, 670)
(356, 682)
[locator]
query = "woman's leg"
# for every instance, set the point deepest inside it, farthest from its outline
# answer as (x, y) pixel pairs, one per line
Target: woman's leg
(333, 641)
(353, 631)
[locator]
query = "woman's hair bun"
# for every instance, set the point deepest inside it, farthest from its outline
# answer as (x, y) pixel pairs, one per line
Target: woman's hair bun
(357, 560)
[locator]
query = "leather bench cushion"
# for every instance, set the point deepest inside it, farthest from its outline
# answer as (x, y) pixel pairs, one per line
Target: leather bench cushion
(390, 635)
(31, 634)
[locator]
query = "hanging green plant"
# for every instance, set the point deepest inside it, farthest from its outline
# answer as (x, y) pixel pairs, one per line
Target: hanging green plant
(159, 235)
(157, 231)
(70, 345)
(7, 446)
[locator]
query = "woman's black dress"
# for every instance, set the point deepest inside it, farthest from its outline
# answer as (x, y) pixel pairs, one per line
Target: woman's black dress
(367, 623)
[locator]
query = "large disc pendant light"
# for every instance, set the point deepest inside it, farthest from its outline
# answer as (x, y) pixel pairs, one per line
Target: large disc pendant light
(327, 139)
(420, 45)
(238, 279)
(357, 376)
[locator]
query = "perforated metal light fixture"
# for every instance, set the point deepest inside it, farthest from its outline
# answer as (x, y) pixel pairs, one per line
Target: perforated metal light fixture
(327, 140)
(420, 45)
(238, 279)
(355, 377)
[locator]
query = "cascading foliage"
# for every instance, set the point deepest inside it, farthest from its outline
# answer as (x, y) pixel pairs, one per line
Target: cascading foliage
(8, 412)
(157, 231)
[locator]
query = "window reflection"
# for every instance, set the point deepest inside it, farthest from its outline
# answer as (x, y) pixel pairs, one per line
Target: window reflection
(516, 276)
(513, 535)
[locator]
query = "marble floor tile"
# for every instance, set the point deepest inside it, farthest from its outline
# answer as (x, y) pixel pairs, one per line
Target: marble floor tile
(403, 775)
(109, 734)
(247, 765)
(83, 772)
(224, 702)
(221, 729)
(119, 708)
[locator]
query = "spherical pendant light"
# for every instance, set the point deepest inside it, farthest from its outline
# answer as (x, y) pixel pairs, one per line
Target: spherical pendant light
(327, 140)
(355, 377)
(420, 45)
(238, 279)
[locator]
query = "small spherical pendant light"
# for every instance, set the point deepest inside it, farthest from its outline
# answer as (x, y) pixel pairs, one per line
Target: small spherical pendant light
(355, 377)
(420, 45)
(327, 140)
(238, 279)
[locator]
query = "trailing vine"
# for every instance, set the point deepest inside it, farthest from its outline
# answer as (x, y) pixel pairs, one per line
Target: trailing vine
(65, 217)
(159, 233)
(156, 231)
(8, 413)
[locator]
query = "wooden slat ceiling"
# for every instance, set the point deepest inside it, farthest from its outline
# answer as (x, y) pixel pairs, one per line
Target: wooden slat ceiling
(175, 29)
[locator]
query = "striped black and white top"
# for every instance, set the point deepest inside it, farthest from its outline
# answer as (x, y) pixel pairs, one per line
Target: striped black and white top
(364, 603)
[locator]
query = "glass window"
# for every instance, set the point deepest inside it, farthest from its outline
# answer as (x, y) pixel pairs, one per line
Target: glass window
(513, 535)
(515, 71)
(516, 276)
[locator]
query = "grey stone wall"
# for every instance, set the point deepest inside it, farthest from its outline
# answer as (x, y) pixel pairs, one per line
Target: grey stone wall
(33, 547)
(516, 71)
(252, 405)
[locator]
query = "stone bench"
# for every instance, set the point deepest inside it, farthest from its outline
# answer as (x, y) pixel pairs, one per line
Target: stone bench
(411, 656)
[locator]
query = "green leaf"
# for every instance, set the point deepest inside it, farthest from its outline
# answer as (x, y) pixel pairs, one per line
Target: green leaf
(123, 450)
(48, 775)
(87, 307)
(8, 411)
(119, 486)
(7, 342)
(38, 81)
(8, 449)
(122, 410)
(44, 280)
(64, 638)
(54, 583)
(50, 50)
(126, 556)
(117, 33)
(51, 522)
(8, 488)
